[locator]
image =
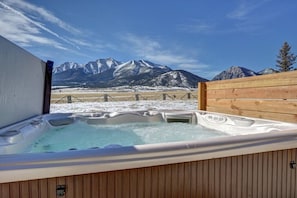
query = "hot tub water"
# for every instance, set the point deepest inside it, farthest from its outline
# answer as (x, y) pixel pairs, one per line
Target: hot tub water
(81, 135)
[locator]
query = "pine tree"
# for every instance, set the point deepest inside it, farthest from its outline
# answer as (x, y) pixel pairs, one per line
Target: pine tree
(285, 58)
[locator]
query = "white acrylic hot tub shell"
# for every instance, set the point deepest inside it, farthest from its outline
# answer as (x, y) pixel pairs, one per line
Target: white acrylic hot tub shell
(17, 167)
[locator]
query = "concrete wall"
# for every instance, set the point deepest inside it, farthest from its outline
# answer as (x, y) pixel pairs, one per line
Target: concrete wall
(21, 84)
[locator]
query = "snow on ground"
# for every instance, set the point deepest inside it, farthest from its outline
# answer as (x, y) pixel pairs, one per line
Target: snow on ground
(124, 106)
(61, 89)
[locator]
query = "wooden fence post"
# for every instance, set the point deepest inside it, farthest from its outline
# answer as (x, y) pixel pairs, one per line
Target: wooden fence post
(136, 97)
(69, 100)
(202, 96)
(105, 98)
(189, 95)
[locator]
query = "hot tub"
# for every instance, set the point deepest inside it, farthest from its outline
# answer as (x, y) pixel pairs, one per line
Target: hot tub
(24, 154)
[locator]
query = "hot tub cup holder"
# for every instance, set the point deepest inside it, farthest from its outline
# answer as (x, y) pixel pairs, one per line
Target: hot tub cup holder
(36, 122)
(243, 122)
(12, 136)
(213, 118)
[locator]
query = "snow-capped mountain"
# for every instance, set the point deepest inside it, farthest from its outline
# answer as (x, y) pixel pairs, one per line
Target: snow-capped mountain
(101, 65)
(235, 72)
(267, 71)
(177, 78)
(92, 67)
(109, 72)
(133, 68)
(67, 66)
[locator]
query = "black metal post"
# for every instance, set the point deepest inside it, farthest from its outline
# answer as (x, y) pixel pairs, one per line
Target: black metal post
(47, 87)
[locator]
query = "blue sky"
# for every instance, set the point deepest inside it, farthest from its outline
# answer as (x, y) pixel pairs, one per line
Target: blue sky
(203, 37)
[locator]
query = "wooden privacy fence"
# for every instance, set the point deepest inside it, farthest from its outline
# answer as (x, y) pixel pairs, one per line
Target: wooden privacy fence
(272, 96)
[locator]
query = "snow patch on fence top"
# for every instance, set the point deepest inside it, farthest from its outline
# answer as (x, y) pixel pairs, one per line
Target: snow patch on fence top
(124, 106)
(119, 89)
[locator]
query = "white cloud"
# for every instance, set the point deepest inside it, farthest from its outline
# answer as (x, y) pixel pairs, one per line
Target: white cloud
(28, 25)
(245, 8)
(40, 13)
(147, 48)
(251, 16)
(196, 26)
(22, 31)
(21, 27)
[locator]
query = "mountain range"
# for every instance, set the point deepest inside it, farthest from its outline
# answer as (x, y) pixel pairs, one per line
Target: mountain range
(110, 73)
(240, 72)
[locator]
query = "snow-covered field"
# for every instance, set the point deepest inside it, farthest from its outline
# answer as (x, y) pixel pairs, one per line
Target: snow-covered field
(124, 106)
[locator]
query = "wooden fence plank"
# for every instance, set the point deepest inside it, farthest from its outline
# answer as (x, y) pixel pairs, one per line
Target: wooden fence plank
(119, 184)
(223, 177)
(267, 115)
(168, 181)
(279, 173)
(285, 167)
(202, 98)
(279, 79)
(239, 175)
(33, 188)
(51, 185)
(255, 178)
(273, 106)
(4, 190)
(200, 181)
(260, 175)
(187, 180)
(155, 182)
(244, 176)
(161, 181)
(70, 186)
(148, 182)
(265, 173)
(211, 177)
(14, 190)
(234, 168)
(95, 185)
(87, 186)
(217, 176)
(78, 183)
(140, 182)
(228, 177)
(274, 174)
(250, 176)
(181, 179)
(24, 189)
(103, 184)
(111, 184)
(43, 188)
(280, 92)
(126, 183)
(193, 179)
(295, 187)
(205, 179)
(293, 174)
(270, 175)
